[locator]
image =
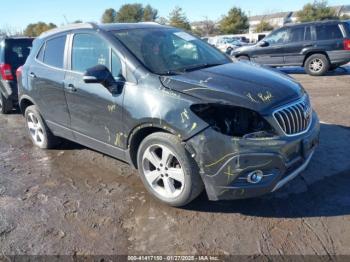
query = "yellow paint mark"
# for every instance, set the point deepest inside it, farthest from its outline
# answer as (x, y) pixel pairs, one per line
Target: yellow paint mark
(184, 116)
(117, 141)
(265, 97)
(194, 126)
(249, 95)
(109, 134)
(220, 160)
(229, 174)
(111, 108)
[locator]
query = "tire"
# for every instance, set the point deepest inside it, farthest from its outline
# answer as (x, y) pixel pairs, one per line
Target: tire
(6, 105)
(317, 65)
(37, 129)
(243, 58)
(180, 172)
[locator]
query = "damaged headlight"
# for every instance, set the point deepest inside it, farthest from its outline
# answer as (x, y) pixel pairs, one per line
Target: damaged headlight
(233, 121)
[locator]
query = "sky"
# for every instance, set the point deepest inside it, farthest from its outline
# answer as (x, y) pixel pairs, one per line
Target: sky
(17, 14)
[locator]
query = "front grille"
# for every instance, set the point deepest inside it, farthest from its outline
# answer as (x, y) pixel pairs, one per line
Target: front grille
(294, 118)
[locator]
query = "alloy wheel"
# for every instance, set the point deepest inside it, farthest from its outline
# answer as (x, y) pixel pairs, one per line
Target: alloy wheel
(163, 171)
(316, 65)
(35, 129)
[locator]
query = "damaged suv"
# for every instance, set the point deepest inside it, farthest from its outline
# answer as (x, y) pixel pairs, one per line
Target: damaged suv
(174, 107)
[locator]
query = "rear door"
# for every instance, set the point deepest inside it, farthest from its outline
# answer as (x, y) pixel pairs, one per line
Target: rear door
(96, 114)
(299, 38)
(273, 52)
(46, 78)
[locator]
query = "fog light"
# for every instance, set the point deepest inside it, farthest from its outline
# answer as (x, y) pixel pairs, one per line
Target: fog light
(255, 177)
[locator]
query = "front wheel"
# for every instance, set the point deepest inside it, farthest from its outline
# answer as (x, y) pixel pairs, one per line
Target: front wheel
(37, 129)
(167, 170)
(317, 65)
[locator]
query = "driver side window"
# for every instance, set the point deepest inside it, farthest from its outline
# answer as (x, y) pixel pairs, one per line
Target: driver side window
(278, 37)
(88, 51)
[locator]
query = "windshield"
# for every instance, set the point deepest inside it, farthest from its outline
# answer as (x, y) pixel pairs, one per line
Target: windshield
(170, 51)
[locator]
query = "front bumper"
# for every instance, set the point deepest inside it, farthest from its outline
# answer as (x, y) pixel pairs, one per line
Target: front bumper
(225, 162)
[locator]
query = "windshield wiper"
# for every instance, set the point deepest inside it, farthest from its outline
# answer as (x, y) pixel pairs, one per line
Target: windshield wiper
(200, 66)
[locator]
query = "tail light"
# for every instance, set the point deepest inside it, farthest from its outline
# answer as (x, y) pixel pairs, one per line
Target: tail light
(19, 72)
(347, 44)
(6, 73)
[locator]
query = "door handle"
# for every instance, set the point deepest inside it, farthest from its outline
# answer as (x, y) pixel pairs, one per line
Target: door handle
(32, 75)
(71, 88)
(308, 45)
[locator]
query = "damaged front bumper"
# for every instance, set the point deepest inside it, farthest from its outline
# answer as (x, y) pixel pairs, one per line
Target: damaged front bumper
(226, 162)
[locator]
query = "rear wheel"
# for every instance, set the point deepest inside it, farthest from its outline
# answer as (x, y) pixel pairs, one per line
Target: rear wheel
(167, 170)
(6, 105)
(38, 131)
(317, 65)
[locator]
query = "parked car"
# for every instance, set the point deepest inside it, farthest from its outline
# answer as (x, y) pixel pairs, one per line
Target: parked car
(317, 46)
(175, 108)
(226, 44)
(13, 53)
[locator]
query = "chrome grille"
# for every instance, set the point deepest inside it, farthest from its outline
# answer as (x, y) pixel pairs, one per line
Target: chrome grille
(294, 118)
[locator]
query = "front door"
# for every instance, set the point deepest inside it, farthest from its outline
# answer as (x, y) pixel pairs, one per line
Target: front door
(96, 113)
(272, 53)
(298, 40)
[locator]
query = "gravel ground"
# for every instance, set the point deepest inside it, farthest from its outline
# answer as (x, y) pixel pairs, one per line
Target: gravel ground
(74, 200)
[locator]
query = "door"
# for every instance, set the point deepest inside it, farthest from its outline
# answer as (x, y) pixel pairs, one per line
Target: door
(299, 38)
(270, 51)
(96, 114)
(46, 77)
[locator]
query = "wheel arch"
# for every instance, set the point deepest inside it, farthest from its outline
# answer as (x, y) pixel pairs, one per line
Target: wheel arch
(139, 133)
(314, 53)
(24, 102)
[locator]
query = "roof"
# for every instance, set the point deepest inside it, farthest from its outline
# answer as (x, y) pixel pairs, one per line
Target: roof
(270, 16)
(105, 27)
(315, 22)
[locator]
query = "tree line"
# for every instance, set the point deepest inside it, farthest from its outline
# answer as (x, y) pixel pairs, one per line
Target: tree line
(235, 21)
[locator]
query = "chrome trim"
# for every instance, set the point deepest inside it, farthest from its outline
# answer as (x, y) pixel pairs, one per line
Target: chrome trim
(287, 124)
(294, 174)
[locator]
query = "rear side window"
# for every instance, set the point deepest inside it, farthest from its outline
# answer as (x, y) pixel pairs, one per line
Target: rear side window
(328, 32)
(54, 52)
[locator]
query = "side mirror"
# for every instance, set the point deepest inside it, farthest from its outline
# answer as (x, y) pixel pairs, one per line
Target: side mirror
(263, 43)
(101, 75)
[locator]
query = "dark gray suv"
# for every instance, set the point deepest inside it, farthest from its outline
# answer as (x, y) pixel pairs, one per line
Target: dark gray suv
(317, 46)
(174, 107)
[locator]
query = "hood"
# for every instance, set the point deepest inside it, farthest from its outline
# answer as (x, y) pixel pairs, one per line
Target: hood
(244, 84)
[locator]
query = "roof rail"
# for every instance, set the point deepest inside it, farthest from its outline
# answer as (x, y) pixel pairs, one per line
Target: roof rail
(88, 25)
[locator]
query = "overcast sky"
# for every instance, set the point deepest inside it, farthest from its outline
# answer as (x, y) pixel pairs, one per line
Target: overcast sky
(19, 13)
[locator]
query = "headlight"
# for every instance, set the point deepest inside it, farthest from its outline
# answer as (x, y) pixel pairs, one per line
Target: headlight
(232, 121)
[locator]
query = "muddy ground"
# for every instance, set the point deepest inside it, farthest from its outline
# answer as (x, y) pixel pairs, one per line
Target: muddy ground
(77, 201)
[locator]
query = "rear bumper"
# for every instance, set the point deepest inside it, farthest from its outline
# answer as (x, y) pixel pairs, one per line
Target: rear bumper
(9, 90)
(226, 162)
(339, 57)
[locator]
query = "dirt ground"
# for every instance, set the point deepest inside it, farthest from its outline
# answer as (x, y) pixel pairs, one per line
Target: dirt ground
(74, 200)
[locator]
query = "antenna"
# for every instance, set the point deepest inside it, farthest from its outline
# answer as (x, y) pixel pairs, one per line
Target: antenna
(65, 18)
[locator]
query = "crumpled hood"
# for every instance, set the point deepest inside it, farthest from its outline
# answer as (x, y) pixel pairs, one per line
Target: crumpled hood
(243, 84)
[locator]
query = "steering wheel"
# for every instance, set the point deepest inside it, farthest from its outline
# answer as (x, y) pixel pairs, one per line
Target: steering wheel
(173, 59)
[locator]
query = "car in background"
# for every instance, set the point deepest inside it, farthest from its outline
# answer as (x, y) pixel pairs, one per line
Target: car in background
(316, 46)
(13, 54)
(180, 111)
(226, 44)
